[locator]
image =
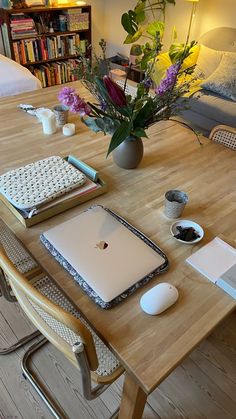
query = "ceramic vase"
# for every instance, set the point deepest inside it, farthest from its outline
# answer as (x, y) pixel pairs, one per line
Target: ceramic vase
(129, 153)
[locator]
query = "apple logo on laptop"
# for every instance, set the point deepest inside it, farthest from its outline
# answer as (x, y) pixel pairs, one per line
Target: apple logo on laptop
(102, 245)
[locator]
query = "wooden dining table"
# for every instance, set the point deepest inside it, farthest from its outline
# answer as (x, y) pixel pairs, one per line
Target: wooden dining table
(149, 347)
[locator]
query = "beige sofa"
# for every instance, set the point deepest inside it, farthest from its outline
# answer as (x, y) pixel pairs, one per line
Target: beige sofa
(212, 108)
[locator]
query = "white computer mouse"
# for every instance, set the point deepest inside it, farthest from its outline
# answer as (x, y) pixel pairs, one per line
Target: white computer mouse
(159, 298)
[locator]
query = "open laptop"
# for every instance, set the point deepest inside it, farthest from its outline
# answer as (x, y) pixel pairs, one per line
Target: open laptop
(104, 252)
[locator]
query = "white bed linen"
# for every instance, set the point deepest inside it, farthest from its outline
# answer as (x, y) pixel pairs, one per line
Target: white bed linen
(14, 78)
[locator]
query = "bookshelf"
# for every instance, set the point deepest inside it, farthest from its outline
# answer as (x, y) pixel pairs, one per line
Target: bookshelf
(46, 39)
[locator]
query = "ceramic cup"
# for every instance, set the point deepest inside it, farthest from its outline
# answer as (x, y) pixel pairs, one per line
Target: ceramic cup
(61, 113)
(175, 202)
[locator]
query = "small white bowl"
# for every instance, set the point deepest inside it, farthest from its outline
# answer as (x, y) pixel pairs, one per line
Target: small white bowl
(184, 224)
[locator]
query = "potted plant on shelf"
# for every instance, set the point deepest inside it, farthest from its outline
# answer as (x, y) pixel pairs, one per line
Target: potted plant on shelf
(135, 54)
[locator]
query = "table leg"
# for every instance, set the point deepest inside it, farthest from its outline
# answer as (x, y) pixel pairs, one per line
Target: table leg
(133, 400)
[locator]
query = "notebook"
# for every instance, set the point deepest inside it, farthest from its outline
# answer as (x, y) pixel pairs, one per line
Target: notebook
(217, 261)
(213, 259)
(103, 254)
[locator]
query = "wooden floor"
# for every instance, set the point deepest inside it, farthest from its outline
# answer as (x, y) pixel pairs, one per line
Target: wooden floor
(203, 386)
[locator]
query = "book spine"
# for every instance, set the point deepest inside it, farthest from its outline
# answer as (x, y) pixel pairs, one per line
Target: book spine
(16, 52)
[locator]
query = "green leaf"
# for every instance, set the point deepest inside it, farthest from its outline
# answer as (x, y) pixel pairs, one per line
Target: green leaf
(91, 124)
(130, 39)
(127, 23)
(174, 34)
(139, 8)
(140, 12)
(143, 115)
(176, 51)
(119, 135)
(140, 17)
(139, 132)
(155, 27)
(107, 125)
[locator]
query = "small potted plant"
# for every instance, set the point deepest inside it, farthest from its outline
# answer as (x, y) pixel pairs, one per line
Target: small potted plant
(135, 53)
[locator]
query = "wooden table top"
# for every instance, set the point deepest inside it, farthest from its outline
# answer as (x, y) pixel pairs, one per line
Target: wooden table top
(149, 347)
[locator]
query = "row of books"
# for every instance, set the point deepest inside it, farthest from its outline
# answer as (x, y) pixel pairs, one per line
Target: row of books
(58, 72)
(22, 26)
(40, 49)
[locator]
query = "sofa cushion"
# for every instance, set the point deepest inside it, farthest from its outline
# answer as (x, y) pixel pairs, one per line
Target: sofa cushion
(223, 79)
(209, 110)
(207, 62)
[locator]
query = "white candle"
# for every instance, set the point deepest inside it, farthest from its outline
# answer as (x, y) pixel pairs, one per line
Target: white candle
(48, 121)
(68, 129)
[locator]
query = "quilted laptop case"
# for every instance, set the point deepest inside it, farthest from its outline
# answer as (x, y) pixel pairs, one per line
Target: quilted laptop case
(39, 182)
(107, 256)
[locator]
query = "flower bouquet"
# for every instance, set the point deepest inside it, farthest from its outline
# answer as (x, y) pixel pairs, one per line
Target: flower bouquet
(121, 114)
(125, 112)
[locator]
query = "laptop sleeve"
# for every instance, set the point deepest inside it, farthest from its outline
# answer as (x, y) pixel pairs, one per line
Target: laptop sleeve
(83, 284)
(37, 183)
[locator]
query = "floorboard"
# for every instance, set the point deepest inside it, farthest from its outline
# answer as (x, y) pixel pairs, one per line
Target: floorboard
(202, 387)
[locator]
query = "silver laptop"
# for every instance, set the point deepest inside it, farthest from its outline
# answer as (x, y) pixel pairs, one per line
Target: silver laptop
(105, 253)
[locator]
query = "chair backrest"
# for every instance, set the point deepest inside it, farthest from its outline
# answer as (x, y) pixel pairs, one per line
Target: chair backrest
(57, 325)
(224, 135)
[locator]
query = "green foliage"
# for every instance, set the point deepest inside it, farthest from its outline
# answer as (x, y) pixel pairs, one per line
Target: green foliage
(120, 135)
(155, 27)
(133, 21)
(136, 49)
(179, 51)
(122, 115)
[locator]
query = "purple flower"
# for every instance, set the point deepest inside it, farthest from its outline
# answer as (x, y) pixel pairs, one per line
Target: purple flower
(66, 96)
(79, 106)
(147, 82)
(169, 81)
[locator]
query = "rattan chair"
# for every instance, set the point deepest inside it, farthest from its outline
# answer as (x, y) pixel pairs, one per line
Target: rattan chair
(25, 264)
(225, 135)
(62, 325)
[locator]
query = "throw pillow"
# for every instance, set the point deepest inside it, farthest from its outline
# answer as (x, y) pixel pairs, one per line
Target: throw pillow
(207, 62)
(223, 79)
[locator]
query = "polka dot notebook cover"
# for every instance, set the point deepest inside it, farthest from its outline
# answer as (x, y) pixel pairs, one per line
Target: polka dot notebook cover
(39, 182)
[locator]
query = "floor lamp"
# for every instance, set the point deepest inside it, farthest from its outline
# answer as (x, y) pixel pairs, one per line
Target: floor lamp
(193, 10)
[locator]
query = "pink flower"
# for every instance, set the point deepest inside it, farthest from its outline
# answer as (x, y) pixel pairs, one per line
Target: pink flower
(76, 105)
(66, 96)
(79, 106)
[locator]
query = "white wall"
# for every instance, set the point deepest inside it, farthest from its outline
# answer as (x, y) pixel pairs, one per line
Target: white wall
(215, 13)
(98, 21)
(209, 14)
